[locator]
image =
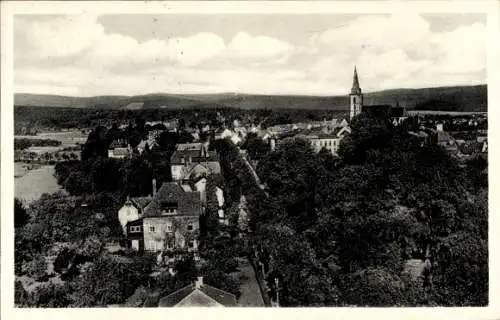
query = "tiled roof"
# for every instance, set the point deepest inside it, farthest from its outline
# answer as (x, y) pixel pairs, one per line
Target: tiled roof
(222, 297)
(225, 298)
(175, 297)
(189, 202)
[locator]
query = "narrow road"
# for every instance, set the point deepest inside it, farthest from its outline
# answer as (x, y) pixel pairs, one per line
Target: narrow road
(256, 177)
(250, 291)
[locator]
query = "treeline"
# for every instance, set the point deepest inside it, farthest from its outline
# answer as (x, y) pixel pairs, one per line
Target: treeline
(340, 232)
(25, 143)
(63, 118)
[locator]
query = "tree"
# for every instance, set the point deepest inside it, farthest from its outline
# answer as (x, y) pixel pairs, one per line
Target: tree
(374, 287)
(291, 174)
(255, 146)
(21, 217)
(110, 280)
(37, 268)
(366, 133)
(304, 281)
(460, 273)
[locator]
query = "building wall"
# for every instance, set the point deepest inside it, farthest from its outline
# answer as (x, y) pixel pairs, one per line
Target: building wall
(126, 214)
(356, 102)
(177, 171)
(331, 145)
(156, 230)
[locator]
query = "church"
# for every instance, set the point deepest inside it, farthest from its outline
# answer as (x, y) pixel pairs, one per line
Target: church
(381, 111)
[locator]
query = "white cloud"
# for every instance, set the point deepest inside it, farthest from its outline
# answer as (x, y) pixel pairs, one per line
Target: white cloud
(245, 46)
(401, 51)
(76, 55)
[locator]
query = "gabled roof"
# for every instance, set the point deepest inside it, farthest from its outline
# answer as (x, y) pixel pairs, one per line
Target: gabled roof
(205, 296)
(141, 202)
(189, 203)
(197, 169)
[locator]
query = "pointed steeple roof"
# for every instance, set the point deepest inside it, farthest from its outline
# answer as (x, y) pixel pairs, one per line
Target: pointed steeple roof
(355, 83)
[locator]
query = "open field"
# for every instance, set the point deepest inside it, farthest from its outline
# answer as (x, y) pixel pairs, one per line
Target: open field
(33, 183)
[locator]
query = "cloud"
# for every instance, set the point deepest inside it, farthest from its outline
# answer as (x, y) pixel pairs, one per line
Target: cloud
(401, 51)
(77, 55)
(244, 45)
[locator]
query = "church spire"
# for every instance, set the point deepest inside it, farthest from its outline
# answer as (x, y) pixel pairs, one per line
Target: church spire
(355, 83)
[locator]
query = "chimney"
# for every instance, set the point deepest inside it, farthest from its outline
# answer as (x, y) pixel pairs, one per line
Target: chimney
(439, 127)
(154, 187)
(198, 283)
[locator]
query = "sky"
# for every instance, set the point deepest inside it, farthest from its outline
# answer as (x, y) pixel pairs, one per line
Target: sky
(126, 54)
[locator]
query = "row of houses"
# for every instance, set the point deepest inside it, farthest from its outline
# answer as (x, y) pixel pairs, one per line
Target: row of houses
(169, 219)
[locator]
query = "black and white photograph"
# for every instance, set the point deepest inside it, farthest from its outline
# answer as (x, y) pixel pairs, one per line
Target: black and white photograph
(248, 159)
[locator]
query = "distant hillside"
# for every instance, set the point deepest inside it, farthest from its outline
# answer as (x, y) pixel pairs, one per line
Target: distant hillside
(465, 98)
(49, 100)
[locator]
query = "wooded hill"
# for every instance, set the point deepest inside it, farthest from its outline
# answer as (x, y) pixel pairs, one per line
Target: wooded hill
(458, 98)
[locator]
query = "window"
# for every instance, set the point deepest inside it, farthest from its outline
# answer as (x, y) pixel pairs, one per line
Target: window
(151, 229)
(190, 227)
(135, 229)
(169, 228)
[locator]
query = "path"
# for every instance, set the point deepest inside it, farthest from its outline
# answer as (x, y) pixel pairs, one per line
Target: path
(249, 288)
(254, 174)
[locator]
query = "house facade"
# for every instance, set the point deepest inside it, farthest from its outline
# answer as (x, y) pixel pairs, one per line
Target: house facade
(135, 235)
(171, 220)
(330, 142)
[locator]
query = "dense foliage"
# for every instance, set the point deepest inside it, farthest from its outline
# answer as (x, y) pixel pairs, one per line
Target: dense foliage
(355, 223)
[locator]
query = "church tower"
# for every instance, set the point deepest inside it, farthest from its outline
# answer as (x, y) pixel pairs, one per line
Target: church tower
(355, 97)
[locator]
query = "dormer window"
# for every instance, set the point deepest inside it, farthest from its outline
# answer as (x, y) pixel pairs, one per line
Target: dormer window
(169, 207)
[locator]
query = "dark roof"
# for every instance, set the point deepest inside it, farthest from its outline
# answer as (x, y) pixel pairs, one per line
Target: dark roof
(170, 192)
(141, 202)
(175, 297)
(224, 298)
(377, 111)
